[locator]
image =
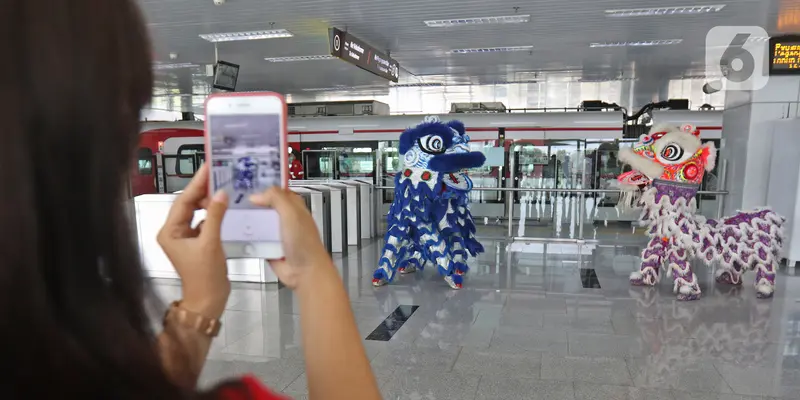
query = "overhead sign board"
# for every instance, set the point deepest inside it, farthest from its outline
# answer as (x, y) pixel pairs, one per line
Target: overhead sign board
(357, 52)
(784, 55)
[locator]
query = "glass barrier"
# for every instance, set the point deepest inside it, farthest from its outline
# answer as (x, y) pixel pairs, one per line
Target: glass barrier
(320, 164)
(358, 162)
(558, 165)
(490, 175)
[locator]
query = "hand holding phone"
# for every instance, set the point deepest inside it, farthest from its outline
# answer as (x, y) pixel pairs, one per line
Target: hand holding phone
(303, 249)
(246, 139)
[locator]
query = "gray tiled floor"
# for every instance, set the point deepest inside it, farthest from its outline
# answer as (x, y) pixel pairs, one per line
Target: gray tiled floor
(525, 328)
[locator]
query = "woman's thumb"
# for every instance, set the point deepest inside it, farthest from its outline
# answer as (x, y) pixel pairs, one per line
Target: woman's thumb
(215, 213)
(272, 198)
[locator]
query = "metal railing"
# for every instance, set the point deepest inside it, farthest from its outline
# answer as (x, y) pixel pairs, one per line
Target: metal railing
(509, 203)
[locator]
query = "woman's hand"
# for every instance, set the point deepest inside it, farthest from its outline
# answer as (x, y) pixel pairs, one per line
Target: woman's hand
(302, 248)
(196, 253)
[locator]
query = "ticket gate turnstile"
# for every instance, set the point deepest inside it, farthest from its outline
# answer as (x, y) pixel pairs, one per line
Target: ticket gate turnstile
(319, 211)
(353, 211)
(337, 211)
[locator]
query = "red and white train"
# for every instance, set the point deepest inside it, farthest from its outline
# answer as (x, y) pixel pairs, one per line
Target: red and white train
(170, 152)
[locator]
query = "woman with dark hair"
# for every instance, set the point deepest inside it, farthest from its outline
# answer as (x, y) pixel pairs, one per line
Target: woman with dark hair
(73, 295)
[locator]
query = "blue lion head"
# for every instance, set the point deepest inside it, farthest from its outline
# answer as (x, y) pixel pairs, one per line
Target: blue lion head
(438, 146)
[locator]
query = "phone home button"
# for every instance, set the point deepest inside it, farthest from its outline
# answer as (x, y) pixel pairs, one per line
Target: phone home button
(249, 250)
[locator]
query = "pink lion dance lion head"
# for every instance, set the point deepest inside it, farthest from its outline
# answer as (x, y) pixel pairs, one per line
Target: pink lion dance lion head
(667, 153)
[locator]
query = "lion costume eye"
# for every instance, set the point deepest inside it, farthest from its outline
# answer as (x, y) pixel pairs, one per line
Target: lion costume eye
(432, 144)
(672, 152)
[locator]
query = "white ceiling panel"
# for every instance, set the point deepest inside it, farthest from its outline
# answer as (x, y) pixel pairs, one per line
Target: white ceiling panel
(560, 32)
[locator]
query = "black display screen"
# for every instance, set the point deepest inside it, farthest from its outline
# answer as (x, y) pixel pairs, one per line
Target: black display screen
(784, 55)
(357, 52)
(225, 76)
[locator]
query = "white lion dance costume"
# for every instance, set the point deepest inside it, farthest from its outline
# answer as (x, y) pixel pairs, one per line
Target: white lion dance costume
(429, 220)
(669, 164)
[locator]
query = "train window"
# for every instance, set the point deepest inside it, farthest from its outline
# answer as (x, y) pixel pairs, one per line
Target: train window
(144, 158)
(185, 164)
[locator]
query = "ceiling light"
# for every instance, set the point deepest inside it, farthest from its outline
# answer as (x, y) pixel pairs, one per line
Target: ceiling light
(419, 84)
(161, 66)
(251, 35)
(344, 88)
(508, 19)
(492, 49)
(598, 80)
(643, 43)
(519, 81)
(646, 12)
(327, 89)
(300, 58)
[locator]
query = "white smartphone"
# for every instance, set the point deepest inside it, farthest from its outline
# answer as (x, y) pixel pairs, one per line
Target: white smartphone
(246, 137)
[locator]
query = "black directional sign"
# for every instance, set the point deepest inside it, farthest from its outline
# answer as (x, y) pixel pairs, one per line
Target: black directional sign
(359, 53)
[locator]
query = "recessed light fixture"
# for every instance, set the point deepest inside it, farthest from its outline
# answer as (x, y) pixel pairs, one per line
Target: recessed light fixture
(506, 19)
(492, 49)
(600, 80)
(162, 66)
(344, 88)
(643, 43)
(513, 82)
(420, 84)
(300, 58)
(250, 35)
(648, 12)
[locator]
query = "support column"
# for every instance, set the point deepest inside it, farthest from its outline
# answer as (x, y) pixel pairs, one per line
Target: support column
(649, 90)
(747, 138)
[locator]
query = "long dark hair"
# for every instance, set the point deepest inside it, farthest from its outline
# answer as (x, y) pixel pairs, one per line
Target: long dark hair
(73, 324)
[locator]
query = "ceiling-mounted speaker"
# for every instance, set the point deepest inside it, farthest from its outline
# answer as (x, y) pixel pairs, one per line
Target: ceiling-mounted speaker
(712, 87)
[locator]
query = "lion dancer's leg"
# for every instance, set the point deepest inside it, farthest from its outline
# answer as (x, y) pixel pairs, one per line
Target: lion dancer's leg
(393, 251)
(686, 285)
(767, 252)
(438, 251)
(730, 274)
(412, 262)
(459, 255)
(765, 275)
(653, 257)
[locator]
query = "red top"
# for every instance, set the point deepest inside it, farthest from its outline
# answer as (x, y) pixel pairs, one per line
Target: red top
(249, 388)
(296, 170)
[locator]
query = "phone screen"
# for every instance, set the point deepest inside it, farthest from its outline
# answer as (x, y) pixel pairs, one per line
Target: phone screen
(246, 159)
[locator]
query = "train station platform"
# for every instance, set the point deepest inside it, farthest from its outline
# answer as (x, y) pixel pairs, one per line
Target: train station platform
(549, 325)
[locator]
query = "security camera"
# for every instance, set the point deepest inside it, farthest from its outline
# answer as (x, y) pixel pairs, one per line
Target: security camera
(219, 2)
(712, 87)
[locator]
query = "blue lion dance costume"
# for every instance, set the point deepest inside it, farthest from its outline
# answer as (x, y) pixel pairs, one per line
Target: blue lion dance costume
(429, 220)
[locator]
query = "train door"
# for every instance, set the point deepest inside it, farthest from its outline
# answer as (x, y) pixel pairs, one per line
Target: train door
(143, 176)
(321, 164)
(340, 160)
(181, 161)
(390, 164)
